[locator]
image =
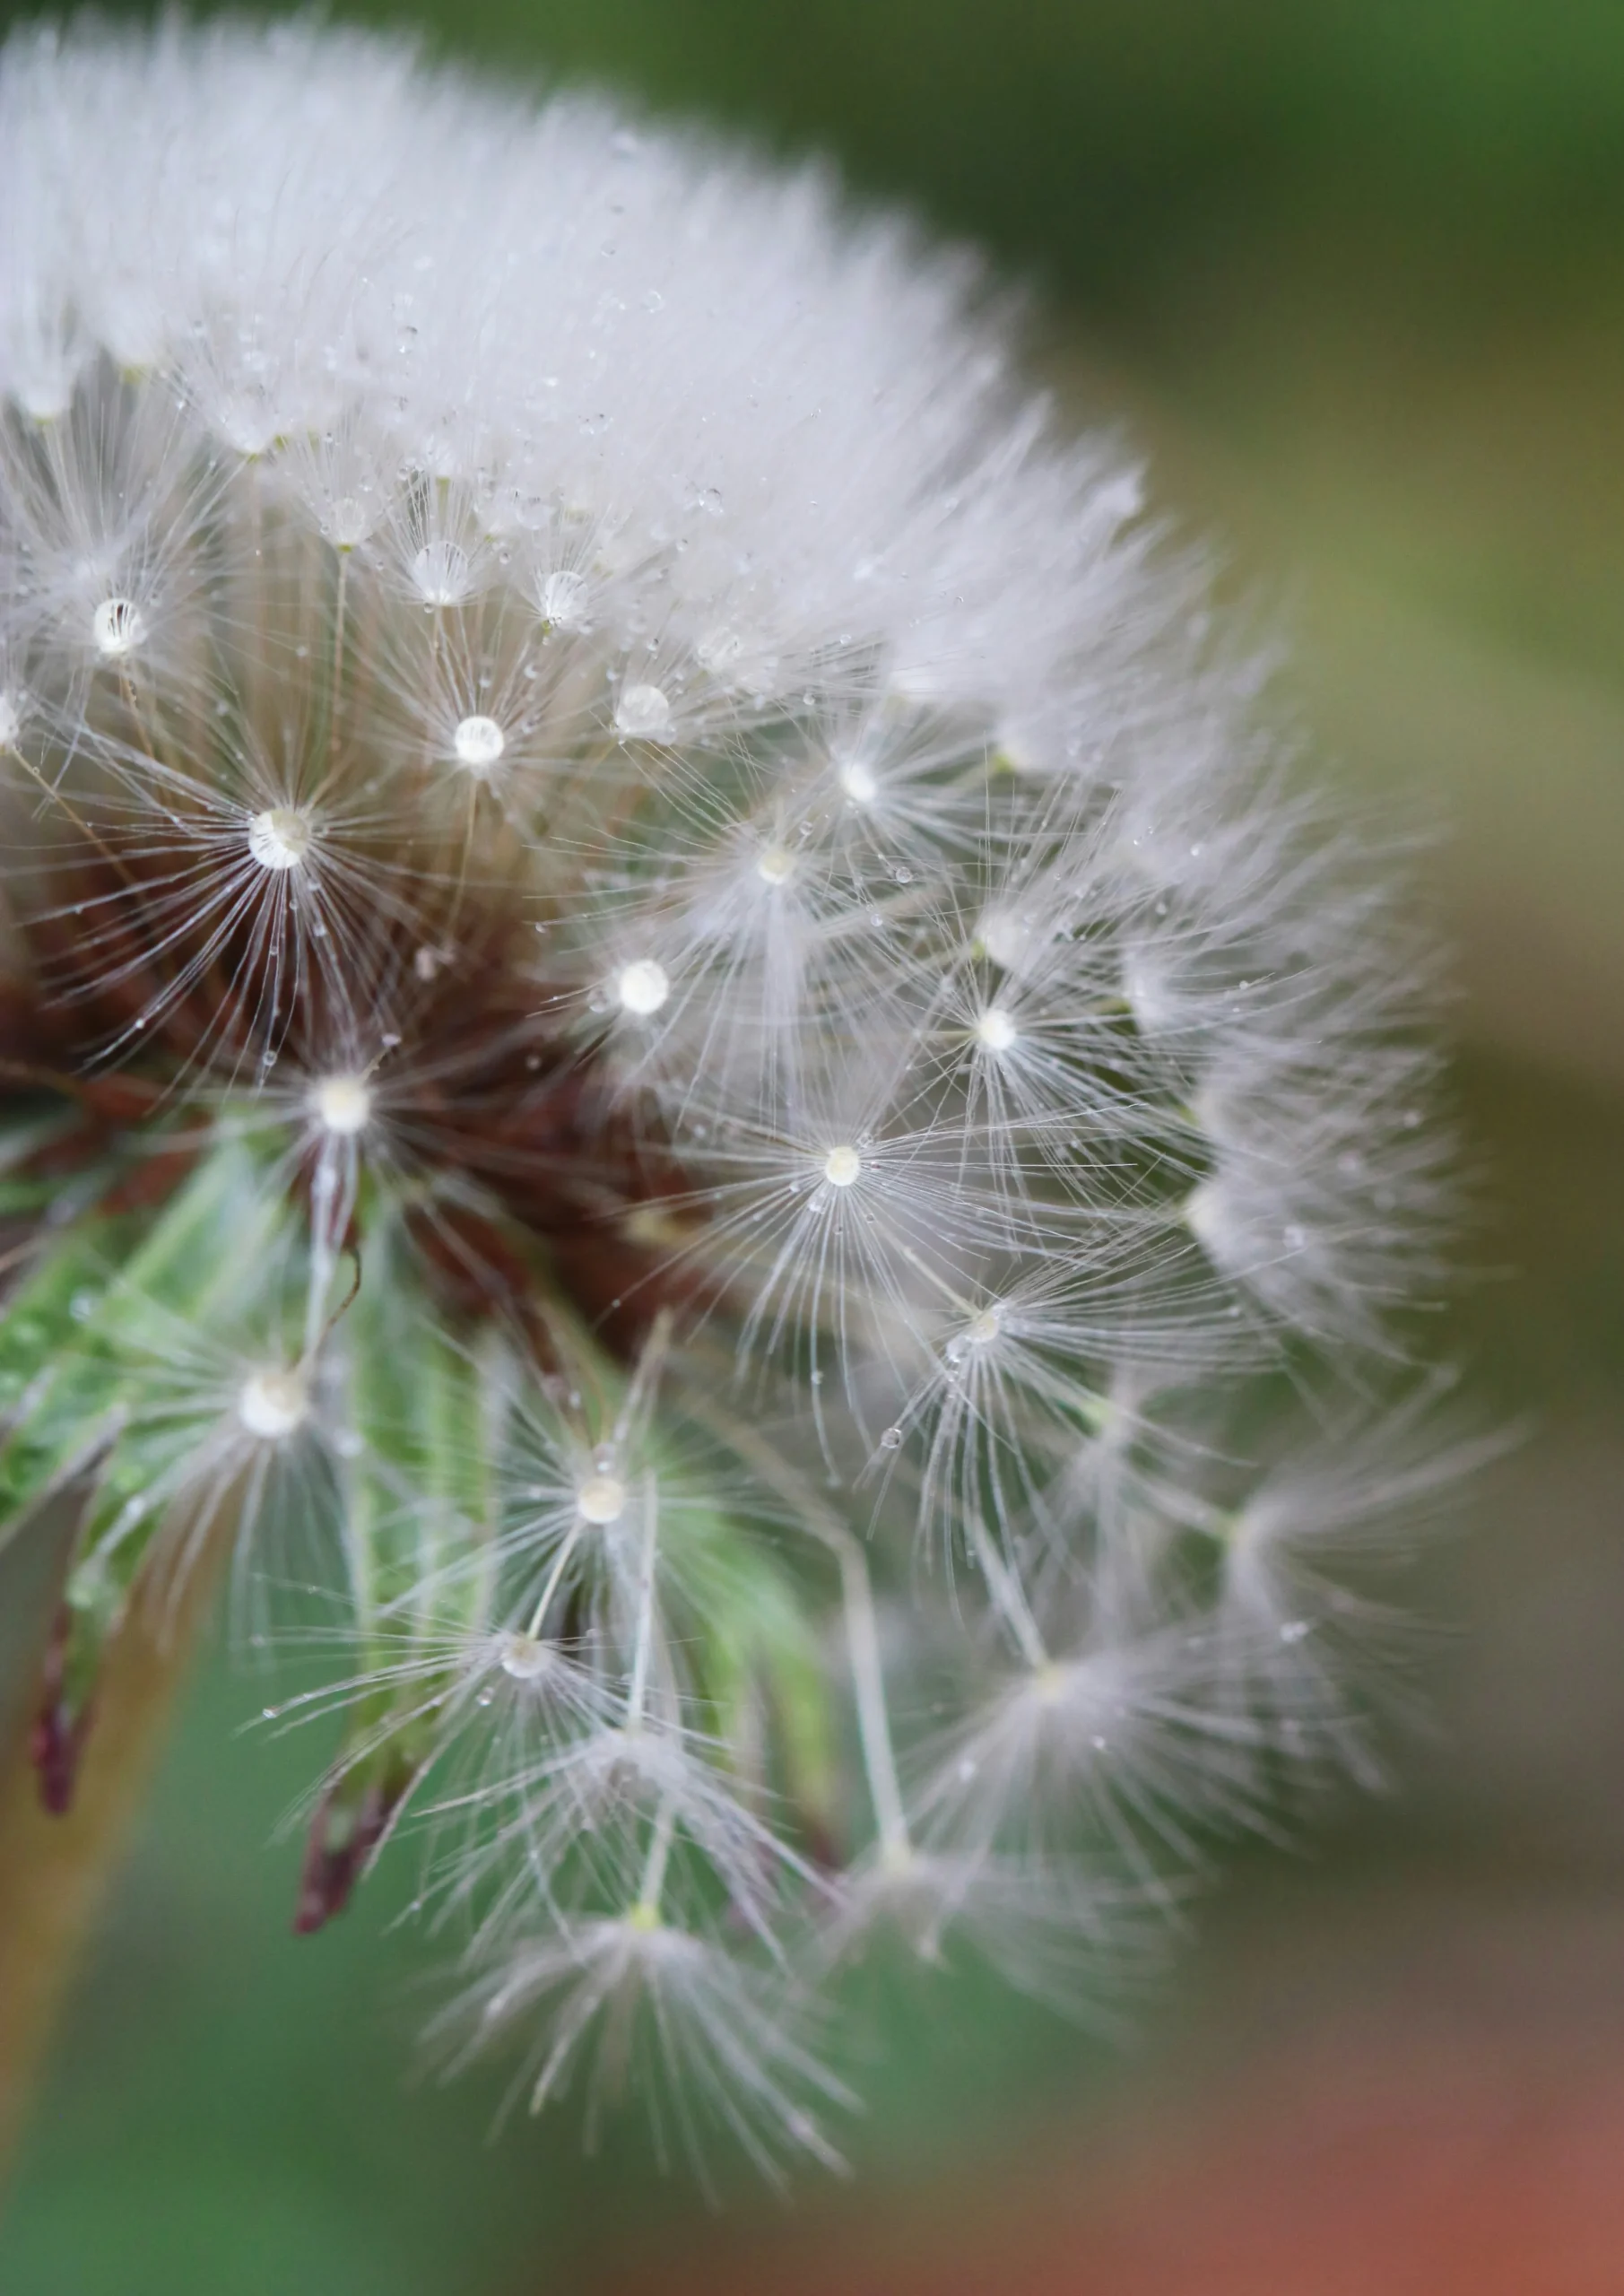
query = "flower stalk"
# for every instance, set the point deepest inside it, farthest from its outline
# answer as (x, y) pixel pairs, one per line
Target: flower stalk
(60, 1850)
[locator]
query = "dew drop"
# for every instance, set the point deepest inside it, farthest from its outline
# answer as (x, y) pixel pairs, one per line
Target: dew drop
(841, 1166)
(719, 650)
(602, 1499)
(479, 743)
(117, 627)
(279, 837)
(892, 1439)
(341, 1105)
(523, 1656)
(1007, 938)
(642, 987)
(272, 1404)
(441, 573)
(562, 600)
(642, 712)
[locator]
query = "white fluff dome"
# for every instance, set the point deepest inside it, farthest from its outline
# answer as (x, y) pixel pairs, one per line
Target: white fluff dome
(773, 419)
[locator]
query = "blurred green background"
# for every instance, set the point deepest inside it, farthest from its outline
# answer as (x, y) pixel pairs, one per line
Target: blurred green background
(1349, 274)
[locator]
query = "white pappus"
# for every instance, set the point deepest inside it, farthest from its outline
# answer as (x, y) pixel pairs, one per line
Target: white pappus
(572, 737)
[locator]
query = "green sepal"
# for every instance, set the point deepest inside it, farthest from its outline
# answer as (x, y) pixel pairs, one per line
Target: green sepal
(419, 1552)
(92, 1377)
(423, 1408)
(753, 1645)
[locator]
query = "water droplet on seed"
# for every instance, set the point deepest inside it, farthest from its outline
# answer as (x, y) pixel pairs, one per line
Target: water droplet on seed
(642, 713)
(602, 1499)
(118, 627)
(272, 1404)
(479, 743)
(342, 1104)
(642, 987)
(280, 838)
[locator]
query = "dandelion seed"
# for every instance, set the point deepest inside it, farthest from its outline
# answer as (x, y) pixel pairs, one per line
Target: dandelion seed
(842, 1166)
(442, 573)
(349, 522)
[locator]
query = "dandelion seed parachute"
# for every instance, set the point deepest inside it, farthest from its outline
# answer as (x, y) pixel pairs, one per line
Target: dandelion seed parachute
(658, 980)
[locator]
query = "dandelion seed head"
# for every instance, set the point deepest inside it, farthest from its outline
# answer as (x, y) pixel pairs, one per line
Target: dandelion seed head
(884, 1067)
